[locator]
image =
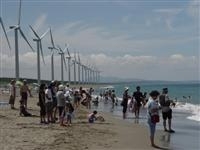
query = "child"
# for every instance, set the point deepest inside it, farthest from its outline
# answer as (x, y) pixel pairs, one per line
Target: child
(92, 117)
(69, 109)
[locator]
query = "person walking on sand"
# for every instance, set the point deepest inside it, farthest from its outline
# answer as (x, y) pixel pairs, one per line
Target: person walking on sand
(152, 111)
(12, 94)
(138, 96)
(24, 90)
(125, 102)
(42, 103)
(166, 110)
(61, 103)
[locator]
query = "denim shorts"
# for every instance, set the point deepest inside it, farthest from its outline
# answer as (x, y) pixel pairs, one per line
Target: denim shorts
(152, 127)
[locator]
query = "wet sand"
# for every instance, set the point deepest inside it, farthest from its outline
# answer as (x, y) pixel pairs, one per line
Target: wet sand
(26, 133)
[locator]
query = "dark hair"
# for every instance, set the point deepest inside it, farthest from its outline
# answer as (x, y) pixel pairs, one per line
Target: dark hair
(94, 112)
(42, 86)
(154, 93)
(138, 87)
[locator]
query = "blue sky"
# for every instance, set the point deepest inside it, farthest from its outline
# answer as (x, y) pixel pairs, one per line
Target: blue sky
(148, 39)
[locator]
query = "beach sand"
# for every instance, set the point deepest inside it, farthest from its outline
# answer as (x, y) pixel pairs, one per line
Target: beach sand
(26, 133)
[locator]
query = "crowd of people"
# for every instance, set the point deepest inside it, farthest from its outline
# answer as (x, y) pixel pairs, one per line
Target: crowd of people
(56, 101)
(56, 97)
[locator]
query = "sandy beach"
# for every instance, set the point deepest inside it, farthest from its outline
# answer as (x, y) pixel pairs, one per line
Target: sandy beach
(26, 133)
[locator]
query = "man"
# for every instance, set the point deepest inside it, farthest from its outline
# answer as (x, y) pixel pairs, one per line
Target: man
(24, 90)
(113, 96)
(12, 94)
(49, 104)
(61, 103)
(125, 102)
(166, 110)
(138, 96)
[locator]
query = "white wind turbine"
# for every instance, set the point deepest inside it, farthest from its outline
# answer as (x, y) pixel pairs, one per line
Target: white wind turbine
(79, 68)
(2, 25)
(38, 41)
(52, 48)
(16, 29)
(74, 63)
(62, 55)
(69, 65)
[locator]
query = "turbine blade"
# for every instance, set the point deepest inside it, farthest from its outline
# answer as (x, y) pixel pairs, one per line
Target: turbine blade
(44, 34)
(52, 42)
(34, 32)
(22, 34)
(19, 17)
(42, 52)
(1, 21)
(64, 62)
(68, 53)
(65, 48)
(79, 58)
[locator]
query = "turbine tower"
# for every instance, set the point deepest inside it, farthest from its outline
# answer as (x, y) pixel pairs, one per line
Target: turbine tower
(2, 25)
(38, 41)
(69, 65)
(52, 48)
(62, 56)
(17, 28)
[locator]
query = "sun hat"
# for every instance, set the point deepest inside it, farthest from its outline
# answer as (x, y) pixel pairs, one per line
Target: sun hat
(126, 88)
(60, 87)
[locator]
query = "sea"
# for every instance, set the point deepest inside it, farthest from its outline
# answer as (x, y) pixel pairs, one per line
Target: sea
(186, 113)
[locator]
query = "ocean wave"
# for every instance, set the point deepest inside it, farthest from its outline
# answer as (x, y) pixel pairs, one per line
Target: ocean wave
(193, 109)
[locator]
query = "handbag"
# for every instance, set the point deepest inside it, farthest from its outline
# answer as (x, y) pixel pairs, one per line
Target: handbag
(155, 119)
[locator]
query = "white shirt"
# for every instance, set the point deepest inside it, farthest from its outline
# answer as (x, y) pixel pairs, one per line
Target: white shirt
(152, 107)
(49, 94)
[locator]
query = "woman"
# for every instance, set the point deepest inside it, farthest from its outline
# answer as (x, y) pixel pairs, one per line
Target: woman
(152, 112)
(42, 103)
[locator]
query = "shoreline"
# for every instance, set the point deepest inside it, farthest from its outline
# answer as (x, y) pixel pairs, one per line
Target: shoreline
(27, 133)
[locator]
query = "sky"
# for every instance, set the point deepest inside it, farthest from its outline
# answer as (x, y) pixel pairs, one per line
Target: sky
(142, 39)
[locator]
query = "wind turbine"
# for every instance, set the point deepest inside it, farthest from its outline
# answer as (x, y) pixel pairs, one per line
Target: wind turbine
(38, 40)
(69, 65)
(2, 25)
(79, 68)
(52, 55)
(17, 28)
(62, 53)
(74, 63)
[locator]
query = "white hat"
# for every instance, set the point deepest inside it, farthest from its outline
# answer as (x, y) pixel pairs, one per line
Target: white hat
(126, 88)
(60, 87)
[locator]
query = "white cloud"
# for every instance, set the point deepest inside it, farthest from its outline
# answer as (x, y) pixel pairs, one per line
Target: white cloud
(126, 66)
(126, 19)
(168, 15)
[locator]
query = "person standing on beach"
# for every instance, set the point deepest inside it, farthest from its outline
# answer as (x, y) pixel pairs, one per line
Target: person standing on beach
(54, 88)
(24, 90)
(61, 103)
(125, 102)
(12, 94)
(113, 96)
(138, 96)
(152, 110)
(166, 110)
(42, 103)
(49, 104)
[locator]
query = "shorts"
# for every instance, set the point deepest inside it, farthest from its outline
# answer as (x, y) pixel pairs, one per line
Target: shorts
(49, 106)
(167, 115)
(12, 99)
(61, 109)
(54, 104)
